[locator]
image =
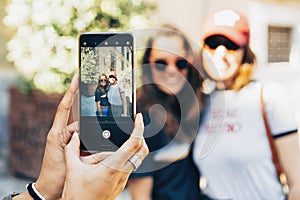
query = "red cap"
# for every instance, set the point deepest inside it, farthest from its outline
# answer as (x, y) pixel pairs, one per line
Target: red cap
(113, 73)
(229, 23)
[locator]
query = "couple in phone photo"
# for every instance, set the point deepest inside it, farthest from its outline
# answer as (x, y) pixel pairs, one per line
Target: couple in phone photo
(110, 97)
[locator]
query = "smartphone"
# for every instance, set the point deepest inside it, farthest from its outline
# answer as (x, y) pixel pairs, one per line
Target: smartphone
(106, 90)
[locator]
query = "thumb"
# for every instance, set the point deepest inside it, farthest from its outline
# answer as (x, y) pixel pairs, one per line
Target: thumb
(138, 126)
(72, 152)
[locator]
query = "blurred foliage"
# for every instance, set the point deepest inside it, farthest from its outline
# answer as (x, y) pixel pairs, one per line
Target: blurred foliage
(44, 46)
(89, 67)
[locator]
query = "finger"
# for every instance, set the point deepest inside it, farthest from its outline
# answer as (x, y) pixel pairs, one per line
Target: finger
(135, 140)
(139, 124)
(64, 107)
(141, 153)
(95, 158)
(73, 127)
(75, 107)
(129, 165)
(72, 150)
(131, 146)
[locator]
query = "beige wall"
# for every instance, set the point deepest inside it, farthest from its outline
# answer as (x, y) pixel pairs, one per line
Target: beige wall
(188, 14)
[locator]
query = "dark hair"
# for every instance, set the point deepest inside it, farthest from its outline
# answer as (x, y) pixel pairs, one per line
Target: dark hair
(100, 87)
(149, 94)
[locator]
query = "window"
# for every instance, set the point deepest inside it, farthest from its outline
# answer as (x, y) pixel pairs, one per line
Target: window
(112, 62)
(279, 43)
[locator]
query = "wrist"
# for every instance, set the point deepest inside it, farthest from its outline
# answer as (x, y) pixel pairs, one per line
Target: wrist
(49, 186)
(42, 189)
(34, 193)
(47, 191)
(22, 196)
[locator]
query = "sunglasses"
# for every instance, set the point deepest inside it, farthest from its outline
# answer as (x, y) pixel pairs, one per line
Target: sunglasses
(215, 41)
(161, 65)
(102, 80)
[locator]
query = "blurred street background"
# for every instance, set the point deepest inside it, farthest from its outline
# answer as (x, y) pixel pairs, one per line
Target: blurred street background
(275, 39)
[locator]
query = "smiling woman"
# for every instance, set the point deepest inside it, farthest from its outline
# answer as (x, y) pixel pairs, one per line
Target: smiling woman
(169, 70)
(232, 120)
(170, 101)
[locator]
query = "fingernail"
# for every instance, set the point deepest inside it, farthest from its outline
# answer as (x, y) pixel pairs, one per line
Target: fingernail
(139, 119)
(76, 135)
(139, 126)
(74, 80)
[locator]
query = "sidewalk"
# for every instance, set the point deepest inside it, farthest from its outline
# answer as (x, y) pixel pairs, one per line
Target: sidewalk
(9, 183)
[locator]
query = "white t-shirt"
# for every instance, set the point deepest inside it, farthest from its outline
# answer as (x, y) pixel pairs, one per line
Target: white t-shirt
(232, 150)
(114, 95)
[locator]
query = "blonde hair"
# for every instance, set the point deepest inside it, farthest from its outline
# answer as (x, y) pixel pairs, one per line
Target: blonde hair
(245, 74)
(246, 70)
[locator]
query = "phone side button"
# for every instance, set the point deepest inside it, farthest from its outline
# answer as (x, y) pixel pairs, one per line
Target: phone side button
(106, 134)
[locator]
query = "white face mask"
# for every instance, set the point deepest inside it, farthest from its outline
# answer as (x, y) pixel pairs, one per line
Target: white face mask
(222, 64)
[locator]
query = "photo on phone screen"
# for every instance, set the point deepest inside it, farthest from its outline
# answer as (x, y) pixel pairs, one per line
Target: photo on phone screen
(107, 90)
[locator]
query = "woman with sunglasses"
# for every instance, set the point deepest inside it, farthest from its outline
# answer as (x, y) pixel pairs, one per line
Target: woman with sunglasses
(231, 149)
(116, 97)
(170, 100)
(101, 96)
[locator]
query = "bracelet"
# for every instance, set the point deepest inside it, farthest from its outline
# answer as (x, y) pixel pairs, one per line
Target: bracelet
(34, 193)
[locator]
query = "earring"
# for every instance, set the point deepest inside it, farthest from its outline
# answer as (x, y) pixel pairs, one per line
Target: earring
(208, 86)
(220, 85)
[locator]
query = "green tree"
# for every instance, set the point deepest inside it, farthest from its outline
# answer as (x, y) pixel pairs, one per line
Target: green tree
(44, 48)
(89, 66)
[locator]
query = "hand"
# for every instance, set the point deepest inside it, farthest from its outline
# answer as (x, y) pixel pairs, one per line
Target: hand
(106, 175)
(52, 176)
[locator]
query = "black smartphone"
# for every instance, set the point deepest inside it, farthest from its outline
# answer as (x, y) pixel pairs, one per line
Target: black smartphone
(106, 90)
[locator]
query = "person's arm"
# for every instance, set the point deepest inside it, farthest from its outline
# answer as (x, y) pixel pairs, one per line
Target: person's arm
(289, 156)
(140, 188)
(53, 172)
(99, 107)
(97, 101)
(124, 103)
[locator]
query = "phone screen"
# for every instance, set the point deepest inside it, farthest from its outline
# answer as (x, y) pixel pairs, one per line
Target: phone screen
(107, 90)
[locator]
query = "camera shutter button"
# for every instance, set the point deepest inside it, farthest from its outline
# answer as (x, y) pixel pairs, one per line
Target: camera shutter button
(106, 134)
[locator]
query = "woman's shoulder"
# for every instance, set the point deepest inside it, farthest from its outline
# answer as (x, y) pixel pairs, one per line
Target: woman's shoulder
(269, 87)
(274, 90)
(276, 96)
(274, 86)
